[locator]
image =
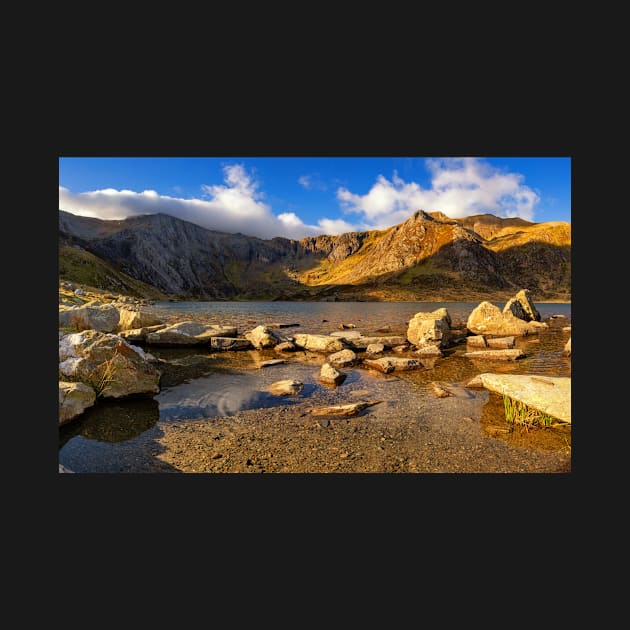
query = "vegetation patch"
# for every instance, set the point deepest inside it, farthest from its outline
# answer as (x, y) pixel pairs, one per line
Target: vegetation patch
(518, 413)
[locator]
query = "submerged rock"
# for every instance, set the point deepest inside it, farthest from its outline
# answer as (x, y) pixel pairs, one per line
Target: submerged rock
(351, 409)
(391, 364)
(501, 355)
(287, 387)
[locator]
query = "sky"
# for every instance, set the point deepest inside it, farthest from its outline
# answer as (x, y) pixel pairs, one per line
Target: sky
(295, 197)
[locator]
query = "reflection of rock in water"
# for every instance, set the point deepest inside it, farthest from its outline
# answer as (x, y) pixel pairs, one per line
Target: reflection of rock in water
(214, 395)
(113, 421)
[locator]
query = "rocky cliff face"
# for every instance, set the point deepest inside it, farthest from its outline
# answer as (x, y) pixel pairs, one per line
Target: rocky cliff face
(427, 256)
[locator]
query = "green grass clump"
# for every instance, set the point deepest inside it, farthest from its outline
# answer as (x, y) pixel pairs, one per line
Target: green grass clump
(517, 412)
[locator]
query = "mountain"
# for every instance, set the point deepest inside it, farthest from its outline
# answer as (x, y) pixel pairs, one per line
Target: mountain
(428, 257)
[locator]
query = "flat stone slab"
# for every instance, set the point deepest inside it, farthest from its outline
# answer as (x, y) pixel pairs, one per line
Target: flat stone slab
(391, 364)
(549, 394)
(502, 355)
(351, 409)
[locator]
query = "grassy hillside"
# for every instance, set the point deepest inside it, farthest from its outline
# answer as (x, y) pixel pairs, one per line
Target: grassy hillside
(82, 267)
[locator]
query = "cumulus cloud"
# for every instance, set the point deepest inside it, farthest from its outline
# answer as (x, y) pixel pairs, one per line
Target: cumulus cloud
(460, 187)
(235, 206)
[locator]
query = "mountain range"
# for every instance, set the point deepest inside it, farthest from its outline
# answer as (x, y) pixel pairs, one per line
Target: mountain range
(429, 257)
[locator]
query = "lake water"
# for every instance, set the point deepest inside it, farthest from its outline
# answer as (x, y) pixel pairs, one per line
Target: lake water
(204, 384)
(325, 317)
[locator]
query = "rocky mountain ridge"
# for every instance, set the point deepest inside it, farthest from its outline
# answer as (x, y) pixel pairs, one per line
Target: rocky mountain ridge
(428, 257)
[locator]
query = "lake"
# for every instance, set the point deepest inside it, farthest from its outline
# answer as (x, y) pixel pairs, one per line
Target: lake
(204, 384)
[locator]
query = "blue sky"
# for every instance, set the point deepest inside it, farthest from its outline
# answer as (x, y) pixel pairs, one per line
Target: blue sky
(301, 196)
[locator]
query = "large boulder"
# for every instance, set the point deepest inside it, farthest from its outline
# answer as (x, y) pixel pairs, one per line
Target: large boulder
(74, 399)
(431, 327)
(94, 316)
(548, 394)
(109, 364)
(264, 337)
(131, 318)
(318, 343)
(189, 333)
(521, 306)
(487, 319)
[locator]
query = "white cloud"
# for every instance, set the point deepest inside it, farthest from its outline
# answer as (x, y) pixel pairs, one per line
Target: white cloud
(305, 181)
(312, 182)
(237, 206)
(460, 187)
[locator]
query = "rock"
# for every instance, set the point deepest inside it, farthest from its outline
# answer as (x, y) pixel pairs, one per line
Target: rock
(476, 341)
(139, 334)
(391, 364)
(189, 333)
(567, 348)
(74, 399)
(103, 318)
(428, 350)
(350, 334)
(522, 307)
(501, 342)
(285, 346)
(318, 343)
(343, 358)
(278, 325)
(440, 392)
(264, 337)
(79, 292)
(501, 355)
(351, 409)
(346, 326)
(109, 364)
(271, 362)
(430, 327)
(230, 343)
(402, 348)
(136, 318)
(286, 388)
(329, 374)
(375, 348)
(488, 319)
(548, 394)
(361, 342)
(475, 381)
